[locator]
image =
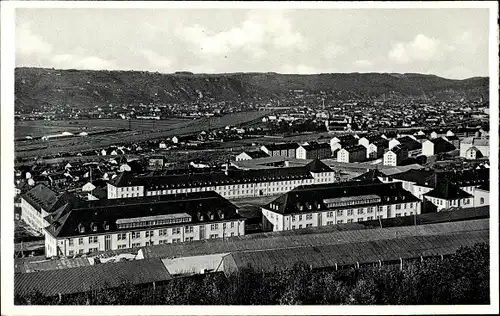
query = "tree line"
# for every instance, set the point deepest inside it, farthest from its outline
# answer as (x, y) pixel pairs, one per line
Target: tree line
(462, 278)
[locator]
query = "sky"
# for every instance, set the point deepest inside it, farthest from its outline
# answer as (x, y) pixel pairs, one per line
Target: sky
(451, 43)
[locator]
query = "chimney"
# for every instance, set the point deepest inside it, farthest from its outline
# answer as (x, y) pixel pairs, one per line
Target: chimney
(226, 169)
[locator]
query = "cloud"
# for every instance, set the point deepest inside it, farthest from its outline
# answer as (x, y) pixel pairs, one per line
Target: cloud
(28, 43)
(421, 48)
(76, 61)
(363, 63)
(155, 59)
(333, 50)
(258, 31)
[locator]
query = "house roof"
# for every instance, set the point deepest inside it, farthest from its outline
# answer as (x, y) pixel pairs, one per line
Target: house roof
(93, 277)
(42, 196)
(476, 141)
(429, 178)
(354, 148)
(372, 174)
(316, 146)
(312, 198)
(441, 145)
(448, 191)
(283, 146)
(100, 193)
(398, 148)
(67, 220)
(317, 166)
(327, 256)
(256, 154)
(409, 143)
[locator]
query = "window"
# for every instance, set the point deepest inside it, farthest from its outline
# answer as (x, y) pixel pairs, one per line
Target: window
(80, 241)
(71, 253)
(212, 236)
(371, 209)
(300, 217)
(176, 230)
(150, 233)
(122, 236)
(163, 232)
(93, 240)
(350, 220)
(398, 206)
(93, 249)
(70, 242)
(309, 225)
(369, 218)
(136, 245)
(293, 218)
(339, 221)
(360, 211)
(232, 234)
(189, 229)
(189, 239)
(214, 226)
(300, 226)
(349, 212)
(136, 235)
(360, 219)
(122, 246)
(150, 243)
(80, 251)
(232, 224)
(398, 215)
(380, 217)
(481, 200)
(293, 227)
(309, 216)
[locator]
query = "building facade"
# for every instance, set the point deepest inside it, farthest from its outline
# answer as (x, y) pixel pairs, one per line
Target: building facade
(348, 202)
(395, 156)
(314, 151)
(90, 227)
(356, 153)
(229, 184)
(481, 145)
(284, 150)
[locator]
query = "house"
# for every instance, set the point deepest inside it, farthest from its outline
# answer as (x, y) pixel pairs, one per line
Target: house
(162, 145)
(482, 195)
(231, 183)
(436, 146)
(282, 149)
(90, 186)
(58, 179)
(480, 145)
(102, 225)
(395, 156)
(353, 153)
(314, 151)
(247, 155)
(368, 139)
(413, 146)
(341, 141)
(376, 149)
(337, 203)
(446, 195)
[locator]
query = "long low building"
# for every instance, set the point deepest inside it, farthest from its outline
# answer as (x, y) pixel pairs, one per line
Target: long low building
(330, 204)
(229, 184)
(90, 226)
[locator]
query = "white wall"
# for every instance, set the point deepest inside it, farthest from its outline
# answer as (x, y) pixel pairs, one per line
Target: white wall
(428, 148)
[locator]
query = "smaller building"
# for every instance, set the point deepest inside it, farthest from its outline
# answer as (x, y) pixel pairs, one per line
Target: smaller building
(481, 147)
(376, 149)
(395, 156)
(314, 151)
(284, 149)
(447, 195)
(436, 146)
(247, 155)
(355, 153)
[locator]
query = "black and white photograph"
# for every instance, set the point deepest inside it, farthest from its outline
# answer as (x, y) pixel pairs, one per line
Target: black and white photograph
(310, 158)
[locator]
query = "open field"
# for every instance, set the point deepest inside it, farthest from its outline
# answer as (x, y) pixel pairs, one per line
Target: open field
(139, 134)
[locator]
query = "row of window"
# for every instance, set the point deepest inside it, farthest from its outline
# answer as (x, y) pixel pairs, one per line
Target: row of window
(155, 222)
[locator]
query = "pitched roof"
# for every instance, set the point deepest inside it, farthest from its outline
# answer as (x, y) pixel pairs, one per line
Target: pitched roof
(317, 166)
(256, 154)
(441, 145)
(42, 196)
(67, 219)
(93, 277)
(370, 175)
(429, 178)
(354, 148)
(316, 146)
(283, 146)
(312, 197)
(410, 143)
(448, 191)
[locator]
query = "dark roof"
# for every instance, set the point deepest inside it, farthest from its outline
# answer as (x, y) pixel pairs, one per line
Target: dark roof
(317, 166)
(346, 138)
(373, 137)
(354, 148)
(284, 146)
(99, 183)
(409, 143)
(88, 278)
(454, 137)
(328, 256)
(256, 154)
(311, 197)
(441, 145)
(448, 191)
(100, 193)
(429, 178)
(396, 149)
(67, 219)
(372, 174)
(485, 186)
(42, 196)
(316, 146)
(381, 142)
